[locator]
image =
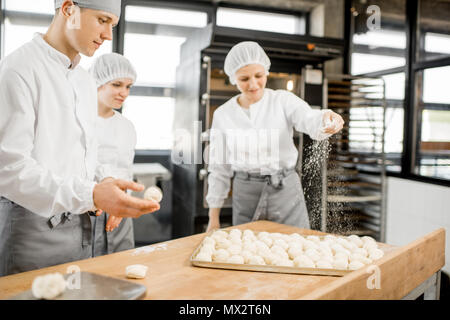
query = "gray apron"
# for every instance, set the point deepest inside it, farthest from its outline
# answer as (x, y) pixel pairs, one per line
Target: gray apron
(278, 198)
(120, 239)
(29, 241)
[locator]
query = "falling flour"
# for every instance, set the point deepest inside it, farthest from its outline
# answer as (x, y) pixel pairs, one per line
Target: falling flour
(316, 156)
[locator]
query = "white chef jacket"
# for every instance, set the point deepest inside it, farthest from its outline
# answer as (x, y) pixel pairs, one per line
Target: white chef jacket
(262, 143)
(117, 141)
(48, 146)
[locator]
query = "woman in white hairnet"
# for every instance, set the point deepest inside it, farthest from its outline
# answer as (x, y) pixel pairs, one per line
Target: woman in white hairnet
(251, 139)
(114, 76)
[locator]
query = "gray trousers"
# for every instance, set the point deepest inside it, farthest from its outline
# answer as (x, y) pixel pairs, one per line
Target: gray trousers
(29, 241)
(120, 239)
(278, 198)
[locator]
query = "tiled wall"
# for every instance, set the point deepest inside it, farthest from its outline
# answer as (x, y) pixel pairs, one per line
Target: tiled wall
(415, 209)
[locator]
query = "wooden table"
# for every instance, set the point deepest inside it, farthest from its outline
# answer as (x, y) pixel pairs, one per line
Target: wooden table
(403, 273)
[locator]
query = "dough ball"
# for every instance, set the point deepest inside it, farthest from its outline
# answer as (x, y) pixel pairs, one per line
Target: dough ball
(234, 249)
(262, 234)
(276, 248)
(258, 260)
(376, 254)
(284, 262)
(296, 244)
(368, 239)
(294, 252)
(138, 271)
(346, 244)
(276, 235)
(341, 255)
(223, 243)
(340, 264)
(249, 233)
(330, 237)
(263, 251)
(308, 244)
(325, 250)
(369, 245)
(356, 240)
(313, 238)
(261, 245)
(296, 236)
(237, 259)
(281, 243)
(220, 255)
(313, 254)
(304, 261)
(356, 257)
(235, 233)
(219, 234)
(268, 241)
(326, 257)
(204, 256)
(249, 246)
(354, 265)
(324, 264)
(208, 247)
(209, 240)
(336, 247)
(282, 254)
(235, 240)
(153, 193)
(361, 251)
(249, 238)
(247, 255)
(269, 258)
(48, 286)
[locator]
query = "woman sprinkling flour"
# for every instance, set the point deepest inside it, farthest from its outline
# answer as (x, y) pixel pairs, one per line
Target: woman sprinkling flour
(252, 139)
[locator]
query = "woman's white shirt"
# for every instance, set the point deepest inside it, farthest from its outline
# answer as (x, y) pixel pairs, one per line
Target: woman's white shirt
(262, 143)
(117, 142)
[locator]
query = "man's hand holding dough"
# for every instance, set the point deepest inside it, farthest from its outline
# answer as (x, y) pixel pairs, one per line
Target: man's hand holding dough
(110, 197)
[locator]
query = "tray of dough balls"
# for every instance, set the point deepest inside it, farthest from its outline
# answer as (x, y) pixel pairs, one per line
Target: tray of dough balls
(329, 255)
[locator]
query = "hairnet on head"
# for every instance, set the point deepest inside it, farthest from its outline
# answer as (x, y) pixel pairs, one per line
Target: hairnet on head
(111, 66)
(242, 54)
(111, 6)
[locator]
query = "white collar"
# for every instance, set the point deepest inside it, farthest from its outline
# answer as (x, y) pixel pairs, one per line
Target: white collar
(55, 54)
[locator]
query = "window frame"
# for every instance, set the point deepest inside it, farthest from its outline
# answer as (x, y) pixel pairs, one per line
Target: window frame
(412, 66)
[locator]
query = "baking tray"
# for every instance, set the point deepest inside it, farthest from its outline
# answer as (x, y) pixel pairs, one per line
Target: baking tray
(265, 268)
(96, 287)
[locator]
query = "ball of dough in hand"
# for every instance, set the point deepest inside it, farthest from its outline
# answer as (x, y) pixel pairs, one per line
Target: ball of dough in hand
(48, 286)
(136, 271)
(237, 259)
(153, 193)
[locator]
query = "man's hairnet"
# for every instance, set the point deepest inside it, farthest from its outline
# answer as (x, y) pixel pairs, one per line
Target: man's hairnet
(111, 6)
(242, 54)
(111, 66)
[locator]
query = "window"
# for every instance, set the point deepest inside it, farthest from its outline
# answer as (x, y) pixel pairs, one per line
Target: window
(434, 30)
(378, 49)
(262, 21)
(24, 18)
(152, 42)
(433, 131)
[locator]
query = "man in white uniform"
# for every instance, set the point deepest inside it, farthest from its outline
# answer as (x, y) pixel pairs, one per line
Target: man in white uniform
(48, 146)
